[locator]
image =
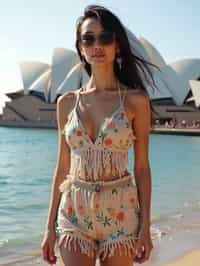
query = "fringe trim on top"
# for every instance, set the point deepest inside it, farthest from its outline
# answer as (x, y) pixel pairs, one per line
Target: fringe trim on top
(125, 246)
(94, 162)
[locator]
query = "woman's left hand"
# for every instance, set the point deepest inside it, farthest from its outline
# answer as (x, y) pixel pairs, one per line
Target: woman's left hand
(144, 246)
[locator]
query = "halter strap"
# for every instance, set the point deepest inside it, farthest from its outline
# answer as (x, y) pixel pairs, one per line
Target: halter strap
(77, 98)
(121, 98)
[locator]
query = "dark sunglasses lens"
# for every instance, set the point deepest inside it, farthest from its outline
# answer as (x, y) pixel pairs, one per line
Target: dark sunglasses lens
(106, 38)
(87, 40)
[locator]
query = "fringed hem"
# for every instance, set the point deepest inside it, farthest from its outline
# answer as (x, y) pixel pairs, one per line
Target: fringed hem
(107, 249)
(100, 249)
(93, 162)
(71, 240)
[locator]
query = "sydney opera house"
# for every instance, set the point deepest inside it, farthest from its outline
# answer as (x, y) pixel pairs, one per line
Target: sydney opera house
(35, 105)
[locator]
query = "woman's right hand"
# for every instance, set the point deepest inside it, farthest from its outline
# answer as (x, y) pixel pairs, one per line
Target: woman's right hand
(48, 246)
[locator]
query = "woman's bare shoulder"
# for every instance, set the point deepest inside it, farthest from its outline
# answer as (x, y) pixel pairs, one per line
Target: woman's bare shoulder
(65, 104)
(137, 98)
(66, 101)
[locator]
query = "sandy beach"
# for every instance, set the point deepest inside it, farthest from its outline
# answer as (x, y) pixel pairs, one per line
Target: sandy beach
(191, 258)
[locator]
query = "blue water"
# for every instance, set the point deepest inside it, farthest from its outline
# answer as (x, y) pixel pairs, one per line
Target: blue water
(27, 164)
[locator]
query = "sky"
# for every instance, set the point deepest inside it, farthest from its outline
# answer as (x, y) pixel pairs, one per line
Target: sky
(30, 30)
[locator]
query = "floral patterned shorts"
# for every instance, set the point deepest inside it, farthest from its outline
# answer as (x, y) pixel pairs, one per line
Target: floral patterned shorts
(99, 218)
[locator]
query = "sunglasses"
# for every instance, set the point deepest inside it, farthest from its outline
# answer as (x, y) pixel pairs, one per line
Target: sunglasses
(104, 38)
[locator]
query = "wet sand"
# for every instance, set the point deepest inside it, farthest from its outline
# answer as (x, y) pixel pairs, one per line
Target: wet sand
(190, 259)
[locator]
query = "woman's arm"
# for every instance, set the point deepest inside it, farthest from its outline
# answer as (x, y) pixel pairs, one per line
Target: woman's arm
(141, 126)
(63, 162)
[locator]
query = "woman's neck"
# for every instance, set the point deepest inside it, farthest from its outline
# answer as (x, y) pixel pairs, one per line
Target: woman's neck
(102, 78)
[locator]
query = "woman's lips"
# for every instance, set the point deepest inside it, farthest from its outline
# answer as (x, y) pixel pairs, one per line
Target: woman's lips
(99, 55)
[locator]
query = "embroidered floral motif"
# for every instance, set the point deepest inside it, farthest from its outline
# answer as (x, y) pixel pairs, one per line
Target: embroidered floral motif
(79, 133)
(108, 141)
(81, 210)
(103, 135)
(104, 219)
(112, 125)
(122, 115)
(120, 233)
(132, 200)
(81, 143)
(70, 211)
(97, 205)
(80, 207)
(120, 216)
(114, 191)
(88, 223)
(71, 215)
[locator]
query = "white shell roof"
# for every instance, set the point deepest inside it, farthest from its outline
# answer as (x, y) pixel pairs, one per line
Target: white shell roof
(136, 47)
(186, 69)
(62, 62)
(73, 80)
(41, 84)
(30, 71)
(162, 92)
(195, 87)
(3, 99)
(178, 87)
(153, 54)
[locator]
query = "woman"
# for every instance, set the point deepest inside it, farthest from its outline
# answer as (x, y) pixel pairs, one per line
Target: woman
(100, 210)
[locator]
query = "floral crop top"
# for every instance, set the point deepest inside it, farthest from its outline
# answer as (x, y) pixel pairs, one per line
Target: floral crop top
(108, 154)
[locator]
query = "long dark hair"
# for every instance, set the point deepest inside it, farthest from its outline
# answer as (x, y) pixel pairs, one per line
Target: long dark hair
(135, 72)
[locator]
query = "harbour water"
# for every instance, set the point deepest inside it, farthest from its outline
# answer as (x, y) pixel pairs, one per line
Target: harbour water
(27, 164)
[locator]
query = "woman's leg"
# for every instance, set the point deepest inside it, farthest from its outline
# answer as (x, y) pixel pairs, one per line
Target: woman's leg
(118, 259)
(74, 257)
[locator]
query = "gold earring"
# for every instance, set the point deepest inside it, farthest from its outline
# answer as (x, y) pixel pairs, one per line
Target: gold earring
(83, 61)
(119, 60)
